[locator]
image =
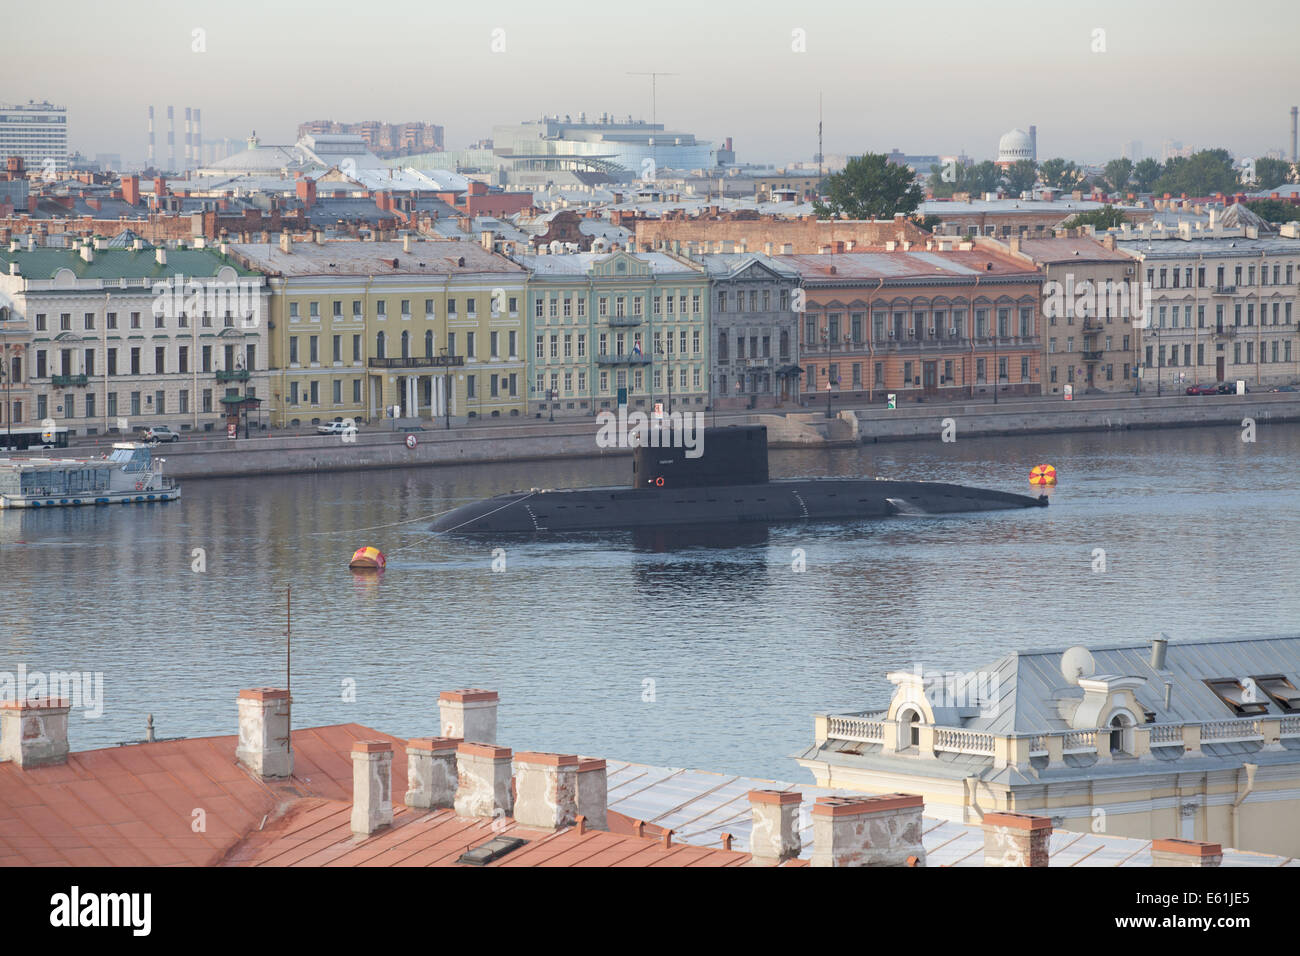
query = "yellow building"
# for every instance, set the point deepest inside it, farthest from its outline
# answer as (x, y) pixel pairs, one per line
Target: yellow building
(414, 329)
(1198, 740)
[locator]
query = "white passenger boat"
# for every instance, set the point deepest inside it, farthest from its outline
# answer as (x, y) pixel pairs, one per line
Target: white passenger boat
(130, 475)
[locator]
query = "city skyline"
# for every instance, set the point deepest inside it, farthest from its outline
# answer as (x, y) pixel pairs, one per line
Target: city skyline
(1117, 82)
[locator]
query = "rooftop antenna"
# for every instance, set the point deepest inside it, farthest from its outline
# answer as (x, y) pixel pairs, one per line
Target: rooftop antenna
(819, 139)
(654, 77)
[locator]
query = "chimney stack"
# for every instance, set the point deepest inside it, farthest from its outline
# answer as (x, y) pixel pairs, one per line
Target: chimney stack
(263, 726)
(1016, 839)
(34, 733)
(546, 790)
(593, 793)
(1158, 648)
(774, 835)
(431, 772)
(160, 256)
(483, 780)
(286, 242)
(372, 786)
(1185, 853)
(469, 714)
(868, 831)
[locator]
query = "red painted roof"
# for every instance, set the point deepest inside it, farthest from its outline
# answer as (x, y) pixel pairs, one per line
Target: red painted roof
(135, 806)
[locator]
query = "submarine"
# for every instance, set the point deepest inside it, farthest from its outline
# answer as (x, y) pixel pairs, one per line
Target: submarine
(727, 484)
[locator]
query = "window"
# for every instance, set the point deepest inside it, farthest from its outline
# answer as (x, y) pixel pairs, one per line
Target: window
(406, 308)
(469, 344)
(469, 387)
(356, 348)
(293, 350)
(183, 359)
(338, 308)
(381, 309)
(338, 391)
(451, 308)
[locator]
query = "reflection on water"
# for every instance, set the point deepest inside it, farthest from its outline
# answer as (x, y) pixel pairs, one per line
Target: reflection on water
(1198, 528)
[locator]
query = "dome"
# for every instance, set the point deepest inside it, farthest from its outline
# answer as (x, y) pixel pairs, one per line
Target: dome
(1014, 146)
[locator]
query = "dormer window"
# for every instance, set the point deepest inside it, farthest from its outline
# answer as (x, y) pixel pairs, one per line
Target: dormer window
(1281, 690)
(1244, 702)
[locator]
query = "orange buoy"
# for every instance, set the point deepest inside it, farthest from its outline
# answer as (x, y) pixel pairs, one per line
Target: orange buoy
(368, 559)
(1042, 475)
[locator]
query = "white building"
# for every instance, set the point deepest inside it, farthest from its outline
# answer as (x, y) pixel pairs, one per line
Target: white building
(1017, 145)
(155, 336)
(38, 132)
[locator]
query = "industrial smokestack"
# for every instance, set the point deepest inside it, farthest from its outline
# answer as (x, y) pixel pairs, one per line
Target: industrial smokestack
(171, 139)
(1295, 110)
(1033, 143)
(189, 138)
(151, 137)
(198, 136)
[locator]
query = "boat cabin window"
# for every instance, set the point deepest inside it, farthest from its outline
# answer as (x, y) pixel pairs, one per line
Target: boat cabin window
(131, 459)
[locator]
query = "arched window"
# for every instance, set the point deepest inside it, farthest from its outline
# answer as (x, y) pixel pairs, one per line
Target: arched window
(1121, 734)
(909, 728)
(379, 345)
(428, 344)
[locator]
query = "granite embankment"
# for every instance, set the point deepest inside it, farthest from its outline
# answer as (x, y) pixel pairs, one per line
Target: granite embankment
(308, 452)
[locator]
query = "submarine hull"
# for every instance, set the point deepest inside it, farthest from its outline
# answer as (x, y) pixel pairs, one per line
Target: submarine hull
(827, 499)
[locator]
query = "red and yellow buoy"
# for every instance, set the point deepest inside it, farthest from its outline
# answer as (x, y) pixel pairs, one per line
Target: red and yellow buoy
(367, 559)
(1042, 475)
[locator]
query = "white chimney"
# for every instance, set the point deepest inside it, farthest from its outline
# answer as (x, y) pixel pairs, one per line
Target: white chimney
(868, 831)
(483, 781)
(264, 731)
(593, 793)
(15, 268)
(137, 244)
(546, 790)
(774, 834)
(469, 714)
(372, 786)
(87, 253)
(406, 243)
(160, 256)
(34, 733)
(1016, 839)
(286, 242)
(431, 772)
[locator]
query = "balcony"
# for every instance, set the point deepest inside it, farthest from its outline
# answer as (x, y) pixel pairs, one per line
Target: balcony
(422, 361)
(1227, 331)
(623, 359)
(234, 375)
(623, 321)
(1225, 290)
(1092, 325)
(1092, 356)
(63, 381)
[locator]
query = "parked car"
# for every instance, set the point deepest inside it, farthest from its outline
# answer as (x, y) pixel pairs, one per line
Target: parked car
(337, 427)
(158, 433)
(1202, 390)
(1286, 388)
(1229, 388)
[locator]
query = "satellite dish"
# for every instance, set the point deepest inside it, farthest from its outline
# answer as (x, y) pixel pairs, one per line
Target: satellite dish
(1077, 663)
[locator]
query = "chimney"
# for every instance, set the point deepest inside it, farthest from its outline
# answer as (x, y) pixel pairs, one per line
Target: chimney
(1185, 853)
(88, 252)
(469, 714)
(160, 256)
(431, 772)
(1158, 648)
(264, 731)
(485, 239)
(867, 831)
(286, 242)
(406, 242)
(546, 790)
(34, 733)
(593, 793)
(1108, 241)
(15, 268)
(1016, 839)
(482, 781)
(774, 836)
(372, 786)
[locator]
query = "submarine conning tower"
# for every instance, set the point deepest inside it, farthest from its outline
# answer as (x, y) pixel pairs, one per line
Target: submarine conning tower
(728, 455)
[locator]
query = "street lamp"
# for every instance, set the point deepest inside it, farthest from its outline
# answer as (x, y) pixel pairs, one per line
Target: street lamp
(9, 405)
(446, 390)
(1159, 359)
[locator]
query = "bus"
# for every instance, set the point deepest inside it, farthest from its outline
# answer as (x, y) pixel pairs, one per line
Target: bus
(21, 439)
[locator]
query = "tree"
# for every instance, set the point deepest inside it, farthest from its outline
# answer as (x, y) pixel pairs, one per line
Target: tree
(1061, 174)
(1203, 173)
(869, 187)
(1274, 210)
(1146, 173)
(982, 177)
(928, 223)
(1107, 217)
(1117, 174)
(1271, 173)
(1021, 177)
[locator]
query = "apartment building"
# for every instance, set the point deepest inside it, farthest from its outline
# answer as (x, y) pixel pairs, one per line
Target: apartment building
(382, 330)
(106, 339)
(919, 324)
(1223, 309)
(1091, 295)
(612, 328)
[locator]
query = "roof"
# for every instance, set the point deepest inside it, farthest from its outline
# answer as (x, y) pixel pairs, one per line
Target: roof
(1174, 246)
(43, 262)
(355, 257)
(1079, 249)
(721, 265)
(897, 266)
(579, 263)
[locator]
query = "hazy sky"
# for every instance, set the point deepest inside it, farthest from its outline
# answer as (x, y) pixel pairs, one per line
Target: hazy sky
(930, 77)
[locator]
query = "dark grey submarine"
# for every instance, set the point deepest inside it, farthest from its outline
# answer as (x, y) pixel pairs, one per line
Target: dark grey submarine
(727, 484)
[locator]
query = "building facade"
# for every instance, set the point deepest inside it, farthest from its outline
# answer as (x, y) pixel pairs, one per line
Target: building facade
(754, 337)
(1222, 310)
(605, 325)
(104, 340)
(919, 325)
(1091, 295)
(391, 330)
(38, 132)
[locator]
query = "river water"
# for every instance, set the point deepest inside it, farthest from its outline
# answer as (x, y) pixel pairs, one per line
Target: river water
(711, 654)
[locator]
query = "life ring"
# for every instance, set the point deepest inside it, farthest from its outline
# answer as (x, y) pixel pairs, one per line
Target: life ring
(660, 481)
(139, 486)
